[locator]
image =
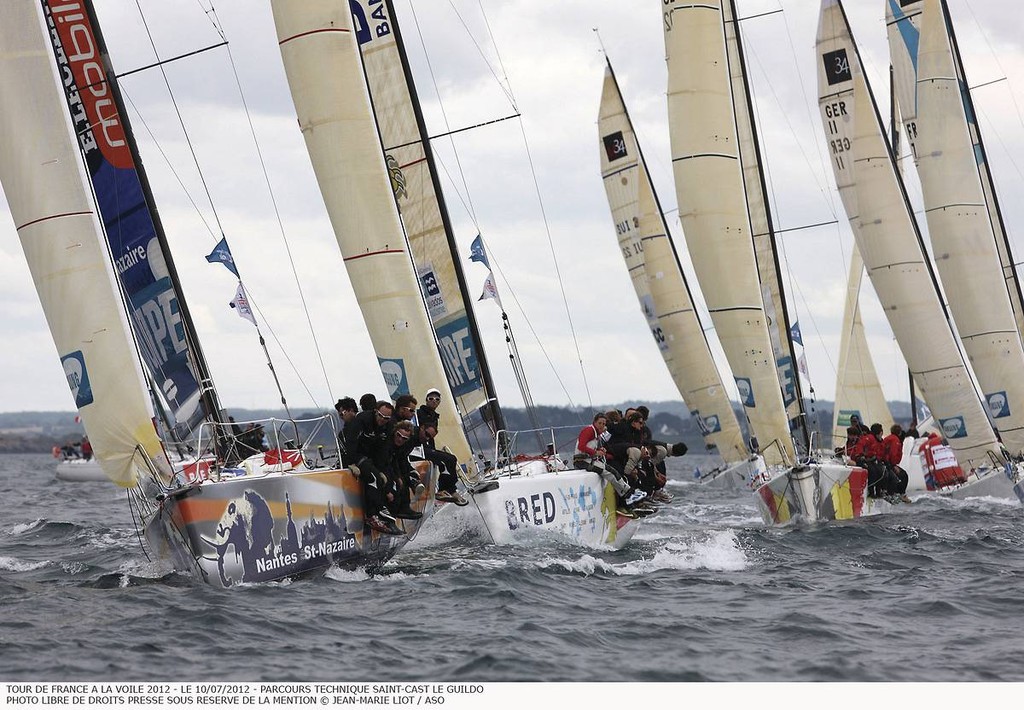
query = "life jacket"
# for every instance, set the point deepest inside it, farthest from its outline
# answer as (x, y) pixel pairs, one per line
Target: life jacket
(943, 468)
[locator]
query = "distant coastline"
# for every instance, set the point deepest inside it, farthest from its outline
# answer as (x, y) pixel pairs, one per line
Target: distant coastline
(39, 432)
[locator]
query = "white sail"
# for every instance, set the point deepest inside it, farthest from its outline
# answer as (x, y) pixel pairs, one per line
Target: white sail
(45, 184)
(858, 390)
(321, 60)
(762, 229)
(958, 224)
(658, 279)
(889, 242)
(431, 244)
(713, 211)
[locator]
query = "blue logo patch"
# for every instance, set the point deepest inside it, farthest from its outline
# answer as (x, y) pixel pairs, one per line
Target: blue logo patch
(784, 365)
(78, 378)
(998, 405)
(458, 355)
(954, 427)
(395, 378)
(746, 391)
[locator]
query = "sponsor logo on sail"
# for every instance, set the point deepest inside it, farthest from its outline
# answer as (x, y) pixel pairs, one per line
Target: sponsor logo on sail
(397, 177)
(458, 355)
(78, 378)
(615, 146)
(746, 391)
(712, 424)
(954, 427)
(846, 415)
(432, 292)
(371, 19)
(787, 378)
(93, 110)
(395, 378)
(998, 405)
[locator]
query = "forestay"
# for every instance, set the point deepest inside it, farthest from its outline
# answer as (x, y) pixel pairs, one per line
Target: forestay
(44, 180)
(889, 242)
(658, 278)
(713, 210)
(963, 242)
(322, 63)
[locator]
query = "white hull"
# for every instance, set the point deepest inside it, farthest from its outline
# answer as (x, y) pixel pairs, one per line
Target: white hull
(733, 477)
(991, 482)
(576, 505)
(80, 471)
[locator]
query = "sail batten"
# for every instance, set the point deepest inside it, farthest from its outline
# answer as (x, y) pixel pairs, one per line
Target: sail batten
(661, 288)
(326, 79)
(44, 180)
(887, 237)
(707, 153)
(967, 251)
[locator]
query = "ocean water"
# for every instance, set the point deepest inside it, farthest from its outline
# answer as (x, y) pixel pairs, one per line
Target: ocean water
(704, 592)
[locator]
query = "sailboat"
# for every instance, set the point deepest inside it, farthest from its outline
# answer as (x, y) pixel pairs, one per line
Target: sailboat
(321, 45)
(723, 208)
(888, 237)
(662, 290)
(98, 256)
(960, 202)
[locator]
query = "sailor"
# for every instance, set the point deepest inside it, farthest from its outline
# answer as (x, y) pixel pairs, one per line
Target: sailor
(589, 443)
(364, 438)
(368, 402)
(405, 409)
(448, 465)
(403, 480)
(347, 410)
(86, 448)
(892, 452)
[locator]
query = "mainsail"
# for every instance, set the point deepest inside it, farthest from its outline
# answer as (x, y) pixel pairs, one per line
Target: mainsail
(889, 242)
(321, 58)
(710, 177)
(858, 391)
(959, 225)
(44, 180)
(417, 188)
(658, 278)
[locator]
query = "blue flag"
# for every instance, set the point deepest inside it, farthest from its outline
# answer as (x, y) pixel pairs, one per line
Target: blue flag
(476, 251)
(794, 333)
(221, 253)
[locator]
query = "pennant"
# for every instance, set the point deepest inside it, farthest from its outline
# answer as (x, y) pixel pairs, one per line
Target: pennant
(794, 333)
(241, 305)
(221, 253)
(801, 364)
(490, 290)
(476, 251)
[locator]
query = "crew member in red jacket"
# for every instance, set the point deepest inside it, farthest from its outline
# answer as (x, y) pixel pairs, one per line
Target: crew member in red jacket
(892, 451)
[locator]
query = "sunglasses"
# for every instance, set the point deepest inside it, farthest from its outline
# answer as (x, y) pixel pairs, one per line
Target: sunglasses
(433, 399)
(403, 437)
(383, 416)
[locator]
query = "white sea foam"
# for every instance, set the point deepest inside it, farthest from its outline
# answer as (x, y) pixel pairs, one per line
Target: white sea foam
(25, 527)
(718, 551)
(13, 564)
(346, 575)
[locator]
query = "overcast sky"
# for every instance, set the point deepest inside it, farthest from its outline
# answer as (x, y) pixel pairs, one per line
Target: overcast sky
(545, 55)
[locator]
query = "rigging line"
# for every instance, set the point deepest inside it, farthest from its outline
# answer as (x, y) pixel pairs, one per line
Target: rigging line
(554, 259)
(995, 56)
(440, 103)
(162, 62)
(497, 52)
(807, 226)
(181, 120)
(280, 224)
(479, 49)
(452, 133)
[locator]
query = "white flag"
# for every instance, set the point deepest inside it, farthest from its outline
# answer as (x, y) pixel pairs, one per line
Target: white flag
(490, 290)
(801, 364)
(241, 305)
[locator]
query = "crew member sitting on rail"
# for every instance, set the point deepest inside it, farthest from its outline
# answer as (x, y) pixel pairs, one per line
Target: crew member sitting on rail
(892, 451)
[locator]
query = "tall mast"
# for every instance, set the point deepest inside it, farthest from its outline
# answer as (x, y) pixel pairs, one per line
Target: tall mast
(207, 392)
(786, 332)
(485, 372)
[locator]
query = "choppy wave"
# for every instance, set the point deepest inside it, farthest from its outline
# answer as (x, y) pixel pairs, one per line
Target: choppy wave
(704, 591)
